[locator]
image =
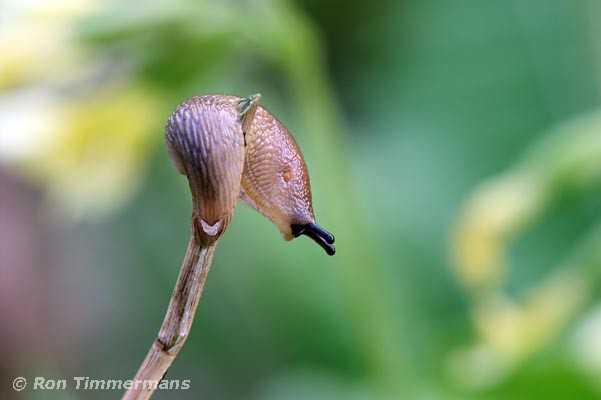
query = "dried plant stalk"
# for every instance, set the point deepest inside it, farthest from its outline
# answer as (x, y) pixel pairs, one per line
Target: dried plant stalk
(178, 320)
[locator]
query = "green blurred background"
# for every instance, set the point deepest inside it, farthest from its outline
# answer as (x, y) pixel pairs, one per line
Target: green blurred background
(454, 150)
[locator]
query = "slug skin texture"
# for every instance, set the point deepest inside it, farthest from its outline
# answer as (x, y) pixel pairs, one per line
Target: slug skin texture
(230, 147)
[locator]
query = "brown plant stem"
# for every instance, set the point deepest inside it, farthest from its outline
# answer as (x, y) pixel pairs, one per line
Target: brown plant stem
(177, 322)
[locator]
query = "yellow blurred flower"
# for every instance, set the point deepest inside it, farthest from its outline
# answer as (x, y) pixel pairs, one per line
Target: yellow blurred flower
(497, 209)
(508, 330)
(83, 140)
(36, 42)
(91, 150)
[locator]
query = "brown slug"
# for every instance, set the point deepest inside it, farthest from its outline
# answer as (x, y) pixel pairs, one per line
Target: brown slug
(231, 147)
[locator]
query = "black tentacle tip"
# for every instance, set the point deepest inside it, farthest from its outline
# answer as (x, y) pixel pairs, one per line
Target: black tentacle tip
(322, 237)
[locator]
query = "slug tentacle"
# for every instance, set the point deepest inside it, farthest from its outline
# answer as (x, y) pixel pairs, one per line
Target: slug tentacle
(322, 237)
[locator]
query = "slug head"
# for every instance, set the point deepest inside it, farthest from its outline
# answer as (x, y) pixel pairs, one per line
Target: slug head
(275, 180)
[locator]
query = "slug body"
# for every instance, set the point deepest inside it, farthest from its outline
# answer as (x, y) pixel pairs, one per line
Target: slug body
(231, 147)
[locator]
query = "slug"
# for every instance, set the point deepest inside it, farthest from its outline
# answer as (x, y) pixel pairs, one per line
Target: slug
(231, 147)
